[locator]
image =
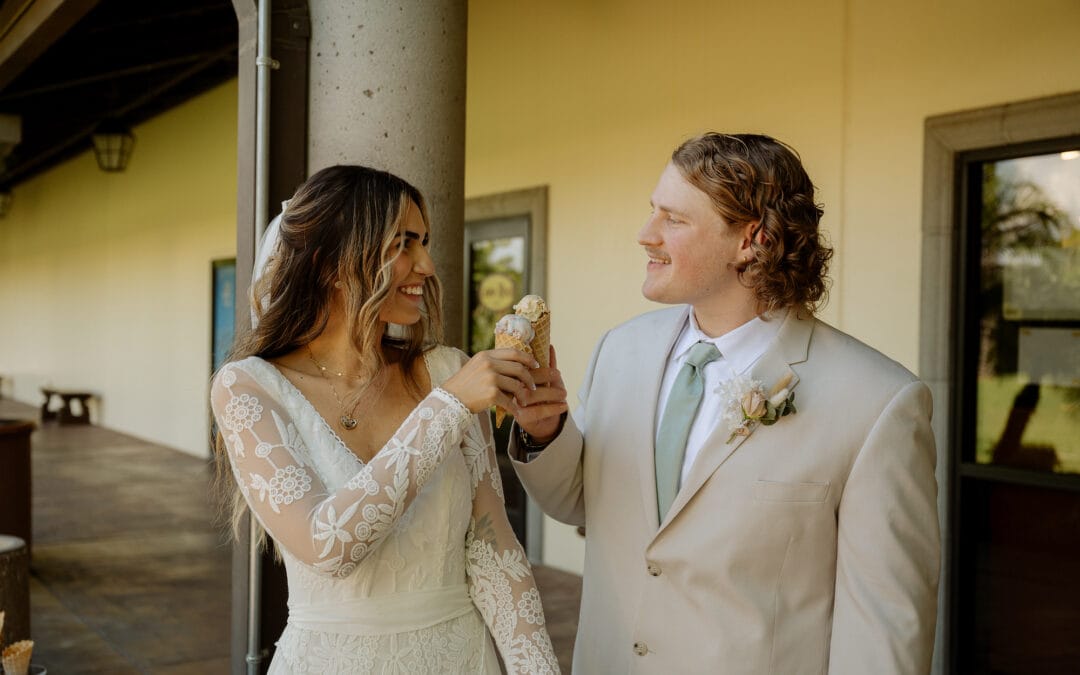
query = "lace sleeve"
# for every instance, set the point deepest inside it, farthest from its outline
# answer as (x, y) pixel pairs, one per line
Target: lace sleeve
(500, 580)
(331, 532)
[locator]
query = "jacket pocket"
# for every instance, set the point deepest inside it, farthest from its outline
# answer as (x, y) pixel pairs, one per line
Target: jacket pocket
(775, 491)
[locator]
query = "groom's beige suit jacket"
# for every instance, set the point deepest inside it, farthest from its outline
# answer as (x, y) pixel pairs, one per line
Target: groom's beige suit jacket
(810, 546)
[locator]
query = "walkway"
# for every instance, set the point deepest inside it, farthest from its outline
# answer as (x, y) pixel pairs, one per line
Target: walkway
(129, 575)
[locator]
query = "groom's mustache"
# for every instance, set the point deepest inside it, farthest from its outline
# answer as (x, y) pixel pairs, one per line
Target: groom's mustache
(656, 253)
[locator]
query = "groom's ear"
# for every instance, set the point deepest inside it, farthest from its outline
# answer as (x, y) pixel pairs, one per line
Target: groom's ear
(752, 231)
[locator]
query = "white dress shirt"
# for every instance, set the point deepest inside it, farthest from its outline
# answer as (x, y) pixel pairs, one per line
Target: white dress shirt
(739, 350)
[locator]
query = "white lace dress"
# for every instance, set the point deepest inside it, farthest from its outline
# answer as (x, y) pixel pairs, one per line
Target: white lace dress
(402, 565)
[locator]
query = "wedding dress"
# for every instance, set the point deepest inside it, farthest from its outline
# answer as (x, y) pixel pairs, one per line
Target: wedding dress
(402, 565)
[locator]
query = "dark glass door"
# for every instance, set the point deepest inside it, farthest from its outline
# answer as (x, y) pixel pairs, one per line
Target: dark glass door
(497, 255)
(1016, 553)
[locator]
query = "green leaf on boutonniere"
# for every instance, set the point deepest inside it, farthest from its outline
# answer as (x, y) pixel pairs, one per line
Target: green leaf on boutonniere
(781, 409)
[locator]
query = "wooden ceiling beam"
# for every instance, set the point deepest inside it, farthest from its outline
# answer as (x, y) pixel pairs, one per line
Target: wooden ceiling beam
(29, 27)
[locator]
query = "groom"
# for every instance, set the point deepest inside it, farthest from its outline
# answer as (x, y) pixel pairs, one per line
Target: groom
(757, 487)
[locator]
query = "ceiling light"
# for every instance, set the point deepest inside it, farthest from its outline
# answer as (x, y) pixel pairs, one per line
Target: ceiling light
(112, 146)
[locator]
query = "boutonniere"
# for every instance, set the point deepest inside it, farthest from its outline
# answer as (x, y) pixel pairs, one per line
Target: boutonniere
(746, 404)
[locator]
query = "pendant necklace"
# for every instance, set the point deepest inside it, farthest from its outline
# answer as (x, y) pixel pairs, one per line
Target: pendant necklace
(347, 421)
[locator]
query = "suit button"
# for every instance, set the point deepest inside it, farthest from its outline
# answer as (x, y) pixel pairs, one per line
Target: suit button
(641, 649)
(653, 569)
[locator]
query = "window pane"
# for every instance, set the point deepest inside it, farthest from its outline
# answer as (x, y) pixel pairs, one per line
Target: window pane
(496, 268)
(224, 283)
(1029, 352)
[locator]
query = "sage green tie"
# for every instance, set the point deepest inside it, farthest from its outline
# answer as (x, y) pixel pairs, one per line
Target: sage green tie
(682, 405)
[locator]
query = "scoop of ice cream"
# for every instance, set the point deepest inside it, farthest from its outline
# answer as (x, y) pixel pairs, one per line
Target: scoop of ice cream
(516, 326)
(532, 307)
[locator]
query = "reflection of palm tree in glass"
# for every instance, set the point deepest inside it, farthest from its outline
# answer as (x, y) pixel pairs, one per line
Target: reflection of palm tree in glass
(1018, 218)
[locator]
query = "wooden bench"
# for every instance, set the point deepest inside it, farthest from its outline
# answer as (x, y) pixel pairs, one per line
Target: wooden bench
(66, 413)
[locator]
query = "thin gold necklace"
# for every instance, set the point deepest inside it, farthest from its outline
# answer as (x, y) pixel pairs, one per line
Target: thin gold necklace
(347, 421)
(324, 369)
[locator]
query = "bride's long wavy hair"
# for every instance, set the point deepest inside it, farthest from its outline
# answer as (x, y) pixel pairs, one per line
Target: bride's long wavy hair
(340, 226)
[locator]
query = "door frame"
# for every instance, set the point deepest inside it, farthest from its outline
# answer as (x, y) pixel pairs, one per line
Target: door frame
(945, 137)
(533, 204)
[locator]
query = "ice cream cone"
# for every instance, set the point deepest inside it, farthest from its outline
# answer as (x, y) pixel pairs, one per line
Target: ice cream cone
(16, 657)
(542, 340)
(504, 340)
(535, 309)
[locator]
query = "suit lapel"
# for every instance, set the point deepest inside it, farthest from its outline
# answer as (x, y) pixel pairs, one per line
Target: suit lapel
(790, 347)
(649, 360)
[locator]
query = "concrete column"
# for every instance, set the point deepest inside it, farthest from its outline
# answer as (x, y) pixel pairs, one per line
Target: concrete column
(388, 90)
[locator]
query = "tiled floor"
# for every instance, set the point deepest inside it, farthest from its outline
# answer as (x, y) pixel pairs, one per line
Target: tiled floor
(128, 574)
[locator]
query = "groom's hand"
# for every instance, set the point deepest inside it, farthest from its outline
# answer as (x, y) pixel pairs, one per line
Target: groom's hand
(538, 411)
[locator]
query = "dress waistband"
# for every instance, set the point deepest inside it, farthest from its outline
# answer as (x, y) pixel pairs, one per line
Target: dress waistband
(384, 614)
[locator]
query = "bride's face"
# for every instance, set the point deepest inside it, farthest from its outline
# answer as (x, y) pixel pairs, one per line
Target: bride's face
(412, 266)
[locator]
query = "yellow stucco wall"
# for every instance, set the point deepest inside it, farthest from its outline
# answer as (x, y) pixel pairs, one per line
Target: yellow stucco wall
(591, 97)
(105, 278)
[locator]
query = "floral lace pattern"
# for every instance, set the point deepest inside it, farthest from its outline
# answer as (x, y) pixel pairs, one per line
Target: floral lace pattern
(500, 579)
(401, 523)
(344, 526)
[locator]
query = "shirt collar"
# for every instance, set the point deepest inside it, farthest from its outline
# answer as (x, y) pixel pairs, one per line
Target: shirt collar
(740, 347)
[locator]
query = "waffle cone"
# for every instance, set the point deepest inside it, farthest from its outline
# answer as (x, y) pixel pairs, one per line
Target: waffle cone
(502, 341)
(542, 340)
(16, 657)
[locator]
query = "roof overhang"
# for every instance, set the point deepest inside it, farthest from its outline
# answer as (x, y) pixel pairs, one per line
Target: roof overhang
(67, 66)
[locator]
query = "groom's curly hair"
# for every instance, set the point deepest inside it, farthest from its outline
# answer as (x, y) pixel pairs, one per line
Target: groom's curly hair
(754, 178)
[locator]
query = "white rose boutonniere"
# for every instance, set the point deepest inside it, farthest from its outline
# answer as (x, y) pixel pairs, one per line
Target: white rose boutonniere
(746, 405)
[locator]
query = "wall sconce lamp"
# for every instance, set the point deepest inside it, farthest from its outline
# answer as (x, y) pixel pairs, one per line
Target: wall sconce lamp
(113, 144)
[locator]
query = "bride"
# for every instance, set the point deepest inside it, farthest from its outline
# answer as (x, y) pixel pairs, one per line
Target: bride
(368, 459)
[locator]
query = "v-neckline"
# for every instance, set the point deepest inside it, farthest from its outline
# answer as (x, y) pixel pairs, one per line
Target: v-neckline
(326, 425)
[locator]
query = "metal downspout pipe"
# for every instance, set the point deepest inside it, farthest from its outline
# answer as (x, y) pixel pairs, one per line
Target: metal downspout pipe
(263, 65)
(254, 651)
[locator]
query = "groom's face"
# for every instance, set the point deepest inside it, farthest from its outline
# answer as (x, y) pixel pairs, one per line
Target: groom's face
(689, 246)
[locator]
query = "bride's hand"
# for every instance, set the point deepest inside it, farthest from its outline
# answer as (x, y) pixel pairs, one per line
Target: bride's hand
(493, 377)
